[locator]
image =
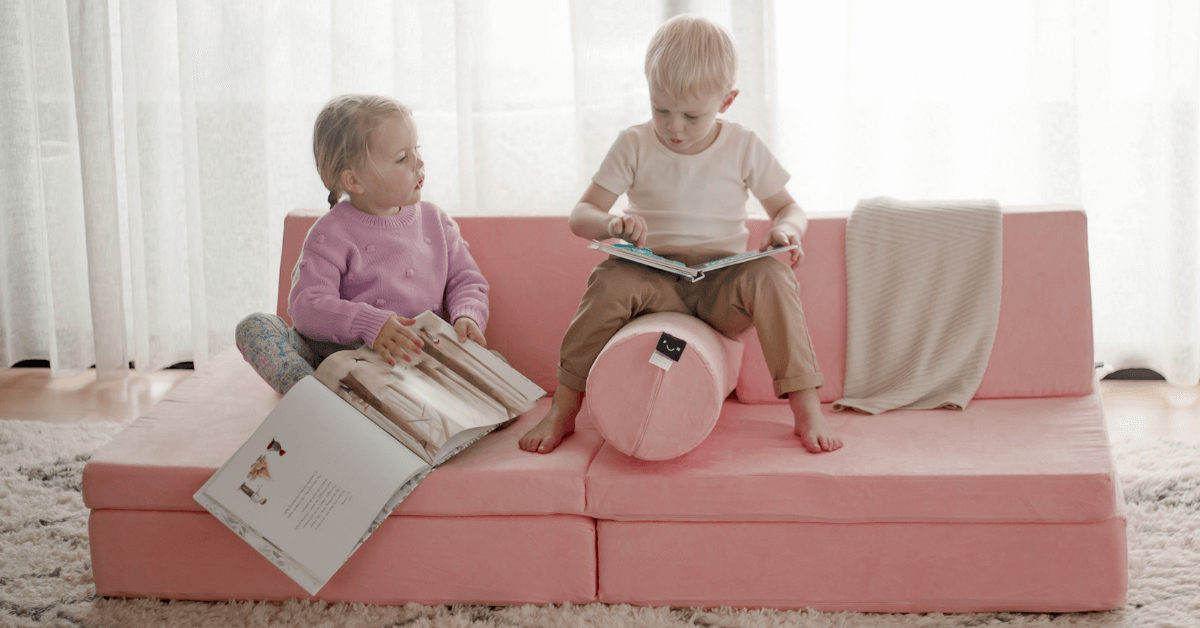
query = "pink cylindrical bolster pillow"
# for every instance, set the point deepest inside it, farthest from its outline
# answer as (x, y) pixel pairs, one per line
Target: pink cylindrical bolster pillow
(655, 414)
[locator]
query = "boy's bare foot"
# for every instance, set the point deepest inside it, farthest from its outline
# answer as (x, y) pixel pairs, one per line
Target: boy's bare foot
(811, 427)
(557, 424)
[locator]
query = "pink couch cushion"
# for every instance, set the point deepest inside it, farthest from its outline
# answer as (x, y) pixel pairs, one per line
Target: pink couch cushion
(1000, 460)
(429, 560)
(869, 567)
(653, 413)
(1043, 345)
(163, 458)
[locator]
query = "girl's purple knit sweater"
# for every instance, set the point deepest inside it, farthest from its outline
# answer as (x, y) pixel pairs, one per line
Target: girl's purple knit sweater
(357, 269)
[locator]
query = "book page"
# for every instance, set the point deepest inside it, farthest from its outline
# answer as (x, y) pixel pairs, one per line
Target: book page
(310, 480)
(420, 400)
(482, 371)
(447, 390)
(462, 440)
(742, 257)
(695, 273)
(643, 256)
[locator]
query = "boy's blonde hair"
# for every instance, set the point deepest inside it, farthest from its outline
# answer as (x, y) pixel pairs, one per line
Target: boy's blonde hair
(342, 135)
(690, 55)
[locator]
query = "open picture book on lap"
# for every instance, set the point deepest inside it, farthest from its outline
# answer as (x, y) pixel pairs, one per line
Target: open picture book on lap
(345, 446)
(694, 273)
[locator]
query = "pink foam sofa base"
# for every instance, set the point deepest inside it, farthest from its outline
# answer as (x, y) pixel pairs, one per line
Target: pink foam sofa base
(927, 512)
(429, 560)
(1010, 505)
(980, 465)
(867, 567)
(162, 458)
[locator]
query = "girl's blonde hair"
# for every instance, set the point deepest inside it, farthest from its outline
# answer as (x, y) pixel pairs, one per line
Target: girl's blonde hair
(342, 135)
(690, 55)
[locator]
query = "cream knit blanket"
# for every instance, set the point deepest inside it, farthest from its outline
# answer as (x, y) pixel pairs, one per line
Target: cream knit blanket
(922, 300)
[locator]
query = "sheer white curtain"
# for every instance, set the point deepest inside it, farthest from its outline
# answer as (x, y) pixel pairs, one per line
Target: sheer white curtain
(151, 149)
(1029, 102)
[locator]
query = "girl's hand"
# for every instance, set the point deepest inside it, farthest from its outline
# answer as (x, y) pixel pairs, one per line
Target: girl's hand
(783, 236)
(395, 340)
(468, 328)
(631, 229)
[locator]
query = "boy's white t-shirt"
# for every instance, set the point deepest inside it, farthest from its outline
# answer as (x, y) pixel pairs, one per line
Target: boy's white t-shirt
(696, 201)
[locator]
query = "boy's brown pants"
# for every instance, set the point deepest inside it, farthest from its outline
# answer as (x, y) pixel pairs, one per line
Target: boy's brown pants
(762, 292)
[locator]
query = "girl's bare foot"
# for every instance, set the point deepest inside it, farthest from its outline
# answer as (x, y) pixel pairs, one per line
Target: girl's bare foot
(814, 432)
(557, 424)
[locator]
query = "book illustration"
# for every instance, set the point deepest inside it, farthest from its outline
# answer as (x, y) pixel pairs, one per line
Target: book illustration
(252, 493)
(360, 436)
(424, 401)
(259, 469)
(644, 252)
(694, 273)
(742, 257)
(488, 376)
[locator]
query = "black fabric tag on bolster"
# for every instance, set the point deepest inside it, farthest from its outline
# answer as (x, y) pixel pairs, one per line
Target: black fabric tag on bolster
(670, 346)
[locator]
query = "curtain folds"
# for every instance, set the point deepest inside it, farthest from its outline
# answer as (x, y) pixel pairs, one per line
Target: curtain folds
(152, 148)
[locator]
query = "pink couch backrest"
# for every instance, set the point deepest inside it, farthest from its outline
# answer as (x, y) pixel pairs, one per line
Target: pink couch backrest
(538, 271)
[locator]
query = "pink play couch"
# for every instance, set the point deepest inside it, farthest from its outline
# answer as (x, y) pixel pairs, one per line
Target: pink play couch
(1009, 505)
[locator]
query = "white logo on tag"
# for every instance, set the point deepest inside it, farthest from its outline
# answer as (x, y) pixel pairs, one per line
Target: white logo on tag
(669, 349)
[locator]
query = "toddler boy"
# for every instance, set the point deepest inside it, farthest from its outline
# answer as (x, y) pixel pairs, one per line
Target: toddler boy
(687, 174)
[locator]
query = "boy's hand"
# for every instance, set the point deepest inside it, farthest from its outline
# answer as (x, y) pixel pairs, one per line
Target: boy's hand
(395, 339)
(468, 328)
(783, 236)
(631, 229)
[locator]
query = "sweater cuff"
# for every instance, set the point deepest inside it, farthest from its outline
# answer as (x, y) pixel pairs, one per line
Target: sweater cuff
(367, 324)
(474, 313)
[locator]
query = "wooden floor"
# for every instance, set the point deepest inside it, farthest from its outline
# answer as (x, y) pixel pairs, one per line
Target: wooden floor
(31, 394)
(1133, 408)
(1154, 409)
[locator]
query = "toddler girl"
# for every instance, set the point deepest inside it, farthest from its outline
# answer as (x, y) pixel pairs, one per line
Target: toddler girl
(379, 257)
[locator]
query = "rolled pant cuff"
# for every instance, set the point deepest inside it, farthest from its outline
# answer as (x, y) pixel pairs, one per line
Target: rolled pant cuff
(572, 381)
(793, 384)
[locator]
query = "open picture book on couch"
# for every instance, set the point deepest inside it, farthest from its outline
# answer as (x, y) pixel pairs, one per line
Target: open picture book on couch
(345, 446)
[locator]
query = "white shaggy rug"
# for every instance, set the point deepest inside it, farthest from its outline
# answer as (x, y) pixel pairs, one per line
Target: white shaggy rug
(46, 577)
